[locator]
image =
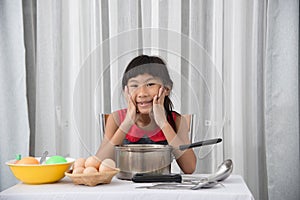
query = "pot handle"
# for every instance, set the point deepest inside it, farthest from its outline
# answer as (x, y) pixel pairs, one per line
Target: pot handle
(201, 143)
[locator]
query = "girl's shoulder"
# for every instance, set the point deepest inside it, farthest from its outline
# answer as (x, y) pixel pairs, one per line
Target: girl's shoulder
(179, 117)
(118, 115)
(122, 113)
(175, 115)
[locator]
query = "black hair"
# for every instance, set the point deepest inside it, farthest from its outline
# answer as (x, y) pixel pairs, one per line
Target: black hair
(155, 67)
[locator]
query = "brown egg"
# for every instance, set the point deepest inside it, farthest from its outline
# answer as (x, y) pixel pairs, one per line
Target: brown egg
(78, 170)
(90, 170)
(92, 161)
(79, 162)
(107, 165)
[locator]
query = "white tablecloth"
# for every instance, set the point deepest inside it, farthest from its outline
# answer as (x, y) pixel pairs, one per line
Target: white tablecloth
(233, 188)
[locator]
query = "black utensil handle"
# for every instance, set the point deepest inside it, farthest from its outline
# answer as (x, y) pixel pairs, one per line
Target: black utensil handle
(151, 178)
(198, 144)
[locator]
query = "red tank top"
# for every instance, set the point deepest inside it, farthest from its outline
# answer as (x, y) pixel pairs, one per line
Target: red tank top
(135, 133)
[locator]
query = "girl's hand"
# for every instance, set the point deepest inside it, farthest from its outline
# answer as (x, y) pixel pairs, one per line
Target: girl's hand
(131, 115)
(159, 112)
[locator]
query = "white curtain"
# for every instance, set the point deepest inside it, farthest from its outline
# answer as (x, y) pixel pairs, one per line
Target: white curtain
(234, 65)
(14, 127)
(281, 100)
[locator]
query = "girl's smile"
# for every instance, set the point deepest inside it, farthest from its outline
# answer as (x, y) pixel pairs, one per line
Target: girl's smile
(144, 103)
(144, 106)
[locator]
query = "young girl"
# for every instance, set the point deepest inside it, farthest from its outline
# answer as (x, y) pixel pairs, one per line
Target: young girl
(149, 118)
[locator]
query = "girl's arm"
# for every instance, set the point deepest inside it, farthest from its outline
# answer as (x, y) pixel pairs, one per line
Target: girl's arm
(115, 131)
(114, 135)
(186, 159)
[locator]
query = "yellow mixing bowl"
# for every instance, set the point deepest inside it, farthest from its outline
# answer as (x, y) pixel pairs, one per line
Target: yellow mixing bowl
(39, 174)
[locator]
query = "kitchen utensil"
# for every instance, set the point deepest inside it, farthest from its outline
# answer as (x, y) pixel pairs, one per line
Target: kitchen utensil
(181, 186)
(149, 158)
(151, 178)
(143, 158)
(195, 182)
(43, 158)
(201, 143)
(168, 186)
(204, 184)
(223, 171)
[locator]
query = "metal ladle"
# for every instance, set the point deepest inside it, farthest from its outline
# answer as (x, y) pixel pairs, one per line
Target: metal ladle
(223, 172)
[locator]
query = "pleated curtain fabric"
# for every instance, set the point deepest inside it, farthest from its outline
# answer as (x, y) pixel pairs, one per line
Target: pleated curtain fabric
(14, 122)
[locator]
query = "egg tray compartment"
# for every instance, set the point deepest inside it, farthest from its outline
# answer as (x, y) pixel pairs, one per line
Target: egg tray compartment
(93, 179)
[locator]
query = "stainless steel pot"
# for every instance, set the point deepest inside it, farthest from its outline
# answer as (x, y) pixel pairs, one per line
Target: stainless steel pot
(143, 158)
(149, 158)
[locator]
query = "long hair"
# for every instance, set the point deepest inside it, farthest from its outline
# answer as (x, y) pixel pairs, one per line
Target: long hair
(155, 67)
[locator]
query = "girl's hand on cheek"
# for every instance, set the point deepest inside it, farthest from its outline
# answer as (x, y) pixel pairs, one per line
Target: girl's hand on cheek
(131, 115)
(158, 108)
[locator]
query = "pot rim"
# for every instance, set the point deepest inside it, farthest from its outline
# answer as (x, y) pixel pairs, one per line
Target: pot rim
(143, 147)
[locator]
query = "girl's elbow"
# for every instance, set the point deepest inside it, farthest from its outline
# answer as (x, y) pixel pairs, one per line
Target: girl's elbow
(190, 168)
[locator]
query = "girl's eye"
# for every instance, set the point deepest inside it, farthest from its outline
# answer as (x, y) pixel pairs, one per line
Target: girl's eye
(150, 84)
(133, 86)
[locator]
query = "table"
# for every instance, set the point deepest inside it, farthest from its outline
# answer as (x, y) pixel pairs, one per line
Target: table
(232, 188)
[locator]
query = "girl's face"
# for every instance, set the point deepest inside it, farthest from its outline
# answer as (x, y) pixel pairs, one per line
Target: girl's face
(142, 89)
